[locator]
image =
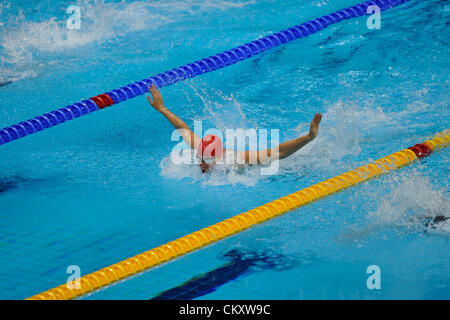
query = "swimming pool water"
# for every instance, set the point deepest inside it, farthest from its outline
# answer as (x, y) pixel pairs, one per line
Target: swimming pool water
(100, 189)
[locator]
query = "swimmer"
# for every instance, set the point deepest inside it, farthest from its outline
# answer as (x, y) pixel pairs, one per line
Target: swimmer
(210, 147)
(432, 222)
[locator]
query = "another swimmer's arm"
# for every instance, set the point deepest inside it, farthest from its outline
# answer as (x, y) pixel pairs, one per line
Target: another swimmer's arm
(188, 135)
(285, 149)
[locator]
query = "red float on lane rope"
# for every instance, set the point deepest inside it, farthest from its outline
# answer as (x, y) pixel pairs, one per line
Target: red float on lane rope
(103, 100)
(421, 150)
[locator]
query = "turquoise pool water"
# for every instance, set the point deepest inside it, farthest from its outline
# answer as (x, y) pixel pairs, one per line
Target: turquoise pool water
(100, 189)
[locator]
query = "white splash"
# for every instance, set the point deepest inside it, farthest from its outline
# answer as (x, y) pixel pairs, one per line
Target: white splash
(339, 137)
(412, 202)
(219, 175)
(22, 41)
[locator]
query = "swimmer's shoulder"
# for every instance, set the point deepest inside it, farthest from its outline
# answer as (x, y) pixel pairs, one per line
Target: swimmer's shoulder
(234, 157)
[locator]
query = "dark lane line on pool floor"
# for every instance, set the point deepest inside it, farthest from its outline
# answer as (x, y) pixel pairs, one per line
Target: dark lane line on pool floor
(241, 264)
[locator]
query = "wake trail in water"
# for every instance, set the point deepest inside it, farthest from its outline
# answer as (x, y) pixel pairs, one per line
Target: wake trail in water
(26, 44)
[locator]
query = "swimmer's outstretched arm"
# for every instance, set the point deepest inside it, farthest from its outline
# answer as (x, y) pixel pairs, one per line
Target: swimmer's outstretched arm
(285, 149)
(188, 135)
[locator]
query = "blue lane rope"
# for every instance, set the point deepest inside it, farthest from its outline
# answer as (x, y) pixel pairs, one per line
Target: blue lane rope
(190, 70)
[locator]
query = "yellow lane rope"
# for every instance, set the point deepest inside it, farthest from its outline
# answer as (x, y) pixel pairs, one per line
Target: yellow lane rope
(228, 227)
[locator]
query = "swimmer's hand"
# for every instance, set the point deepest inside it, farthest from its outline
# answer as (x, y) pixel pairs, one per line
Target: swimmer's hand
(157, 102)
(314, 126)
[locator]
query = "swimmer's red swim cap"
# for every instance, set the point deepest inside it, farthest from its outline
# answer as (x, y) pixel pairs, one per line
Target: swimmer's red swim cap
(210, 147)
